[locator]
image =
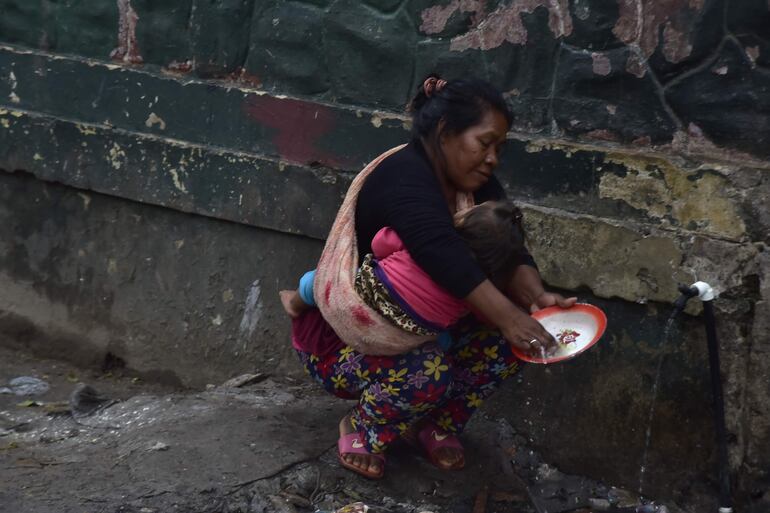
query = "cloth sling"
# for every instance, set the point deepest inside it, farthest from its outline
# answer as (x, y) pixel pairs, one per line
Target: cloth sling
(357, 324)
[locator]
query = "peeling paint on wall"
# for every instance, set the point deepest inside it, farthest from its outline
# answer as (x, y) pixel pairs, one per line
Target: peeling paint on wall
(85, 130)
(504, 24)
(252, 312)
(640, 23)
(434, 19)
(127, 49)
(694, 201)
(177, 182)
(153, 119)
(117, 156)
(86, 200)
(13, 83)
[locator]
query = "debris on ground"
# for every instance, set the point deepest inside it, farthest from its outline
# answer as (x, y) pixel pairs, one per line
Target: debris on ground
(25, 385)
(256, 445)
(244, 379)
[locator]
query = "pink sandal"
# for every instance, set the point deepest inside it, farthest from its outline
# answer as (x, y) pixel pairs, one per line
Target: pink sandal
(350, 444)
(432, 438)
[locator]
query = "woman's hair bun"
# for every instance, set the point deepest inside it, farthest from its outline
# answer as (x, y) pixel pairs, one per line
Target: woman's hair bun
(422, 96)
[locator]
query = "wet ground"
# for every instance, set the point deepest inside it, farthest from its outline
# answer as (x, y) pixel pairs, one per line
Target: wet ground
(254, 445)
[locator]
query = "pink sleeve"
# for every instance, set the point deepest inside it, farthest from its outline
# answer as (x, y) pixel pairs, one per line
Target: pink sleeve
(386, 242)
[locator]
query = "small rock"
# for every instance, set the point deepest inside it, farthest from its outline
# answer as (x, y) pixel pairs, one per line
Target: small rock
(85, 400)
(281, 505)
(599, 504)
(622, 498)
(243, 380)
(158, 446)
(259, 504)
(548, 473)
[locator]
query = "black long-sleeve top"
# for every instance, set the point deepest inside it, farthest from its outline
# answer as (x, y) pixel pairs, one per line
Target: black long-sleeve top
(404, 193)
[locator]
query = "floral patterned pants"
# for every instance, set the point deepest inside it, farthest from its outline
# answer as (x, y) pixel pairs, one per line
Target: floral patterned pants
(393, 392)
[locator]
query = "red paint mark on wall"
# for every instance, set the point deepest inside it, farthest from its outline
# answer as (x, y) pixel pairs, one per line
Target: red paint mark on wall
(298, 125)
(504, 24)
(434, 19)
(127, 49)
(362, 317)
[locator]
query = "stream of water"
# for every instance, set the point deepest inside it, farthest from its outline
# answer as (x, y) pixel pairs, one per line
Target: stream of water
(648, 433)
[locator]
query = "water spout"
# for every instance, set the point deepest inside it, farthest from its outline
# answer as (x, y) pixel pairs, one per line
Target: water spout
(705, 293)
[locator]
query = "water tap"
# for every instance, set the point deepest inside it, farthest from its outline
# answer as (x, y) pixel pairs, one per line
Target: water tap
(701, 289)
(688, 292)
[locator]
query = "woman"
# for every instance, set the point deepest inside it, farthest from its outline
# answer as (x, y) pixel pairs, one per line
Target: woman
(459, 129)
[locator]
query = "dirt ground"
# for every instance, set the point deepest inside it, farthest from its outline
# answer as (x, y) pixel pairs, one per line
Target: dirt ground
(259, 445)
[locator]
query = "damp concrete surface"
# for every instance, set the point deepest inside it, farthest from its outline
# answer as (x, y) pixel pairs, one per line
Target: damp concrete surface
(254, 444)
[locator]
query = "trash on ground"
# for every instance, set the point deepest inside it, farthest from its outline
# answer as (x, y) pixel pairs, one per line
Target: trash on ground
(356, 507)
(57, 408)
(29, 403)
(244, 379)
(25, 385)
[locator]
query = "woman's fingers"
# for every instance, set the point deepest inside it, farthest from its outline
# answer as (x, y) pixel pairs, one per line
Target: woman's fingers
(547, 299)
(543, 342)
(565, 302)
(529, 336)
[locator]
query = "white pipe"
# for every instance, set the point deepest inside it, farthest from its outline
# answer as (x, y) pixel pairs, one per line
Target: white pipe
(725, 510)
(705, 292)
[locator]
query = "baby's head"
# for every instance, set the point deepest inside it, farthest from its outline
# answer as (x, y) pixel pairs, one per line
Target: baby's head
(495, 235)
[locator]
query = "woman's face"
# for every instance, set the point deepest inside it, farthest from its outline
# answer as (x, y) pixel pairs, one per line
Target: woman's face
(473, 154)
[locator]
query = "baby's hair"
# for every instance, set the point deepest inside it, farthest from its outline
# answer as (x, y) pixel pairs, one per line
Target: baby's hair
(495, 235)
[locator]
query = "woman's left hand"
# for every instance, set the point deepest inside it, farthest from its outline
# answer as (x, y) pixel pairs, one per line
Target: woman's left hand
(547, 299)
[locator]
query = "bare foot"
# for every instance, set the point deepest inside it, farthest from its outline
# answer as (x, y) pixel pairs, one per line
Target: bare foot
(292, 303)
(365, 462)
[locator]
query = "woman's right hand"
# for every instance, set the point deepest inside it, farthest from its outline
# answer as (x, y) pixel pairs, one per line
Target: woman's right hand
(514, 324)
(528, 335)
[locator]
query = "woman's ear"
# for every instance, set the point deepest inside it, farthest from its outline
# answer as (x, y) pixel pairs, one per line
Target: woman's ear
(440, 130)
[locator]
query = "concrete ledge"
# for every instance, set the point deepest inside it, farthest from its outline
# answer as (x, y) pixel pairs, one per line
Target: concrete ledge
(209, 113)
(241, 187)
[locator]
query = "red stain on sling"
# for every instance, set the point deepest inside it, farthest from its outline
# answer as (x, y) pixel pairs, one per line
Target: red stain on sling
(327, 292)
(362, 317)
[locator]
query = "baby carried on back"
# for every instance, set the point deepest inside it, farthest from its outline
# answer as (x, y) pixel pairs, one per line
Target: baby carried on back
(391, 283)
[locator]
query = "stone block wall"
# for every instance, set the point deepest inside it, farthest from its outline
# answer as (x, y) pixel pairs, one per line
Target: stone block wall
(169, 165)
